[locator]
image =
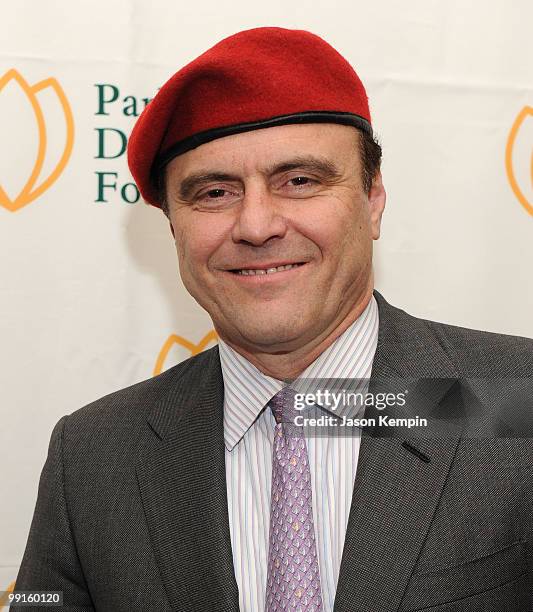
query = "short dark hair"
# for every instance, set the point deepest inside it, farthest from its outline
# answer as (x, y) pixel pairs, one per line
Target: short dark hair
(369, 150)
(161, 187)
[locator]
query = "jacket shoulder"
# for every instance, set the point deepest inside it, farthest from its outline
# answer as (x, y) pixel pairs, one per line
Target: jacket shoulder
(473, 352)
(129, 406)
(484, 353)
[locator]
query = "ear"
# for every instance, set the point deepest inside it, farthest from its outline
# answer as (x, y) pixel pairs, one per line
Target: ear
(376, 201)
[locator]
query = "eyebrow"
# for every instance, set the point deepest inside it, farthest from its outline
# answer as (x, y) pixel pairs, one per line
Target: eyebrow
(310, 163)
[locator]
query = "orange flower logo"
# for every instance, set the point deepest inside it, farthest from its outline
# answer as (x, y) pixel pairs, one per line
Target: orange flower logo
(4, 599)
(193, 349)
(519, 148)
(13, 83)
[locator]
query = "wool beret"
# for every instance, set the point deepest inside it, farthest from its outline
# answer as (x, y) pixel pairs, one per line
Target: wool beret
(251, 80)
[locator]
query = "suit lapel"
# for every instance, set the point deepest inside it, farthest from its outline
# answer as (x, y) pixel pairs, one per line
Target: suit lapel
(396, 490)
(182, 481)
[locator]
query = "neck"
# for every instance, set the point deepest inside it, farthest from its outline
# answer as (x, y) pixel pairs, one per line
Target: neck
(289, 365)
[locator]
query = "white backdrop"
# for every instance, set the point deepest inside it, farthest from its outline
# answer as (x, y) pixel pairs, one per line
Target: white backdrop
(90, 296)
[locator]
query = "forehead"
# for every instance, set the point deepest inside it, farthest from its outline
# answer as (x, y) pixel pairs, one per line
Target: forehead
(259, 149)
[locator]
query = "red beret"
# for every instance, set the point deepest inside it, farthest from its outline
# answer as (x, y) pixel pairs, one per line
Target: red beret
(254, 79)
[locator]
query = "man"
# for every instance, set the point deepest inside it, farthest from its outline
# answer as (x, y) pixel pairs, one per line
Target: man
(187, 492)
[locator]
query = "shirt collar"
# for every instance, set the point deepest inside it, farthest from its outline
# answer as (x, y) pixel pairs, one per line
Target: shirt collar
(247, 390)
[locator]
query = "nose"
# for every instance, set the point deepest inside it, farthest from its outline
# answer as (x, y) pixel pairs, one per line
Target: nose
(259, 217)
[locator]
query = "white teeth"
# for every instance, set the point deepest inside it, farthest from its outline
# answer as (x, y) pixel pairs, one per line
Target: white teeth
(268, 270)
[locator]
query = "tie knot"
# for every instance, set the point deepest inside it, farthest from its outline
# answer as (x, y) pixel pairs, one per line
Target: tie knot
(282, 405)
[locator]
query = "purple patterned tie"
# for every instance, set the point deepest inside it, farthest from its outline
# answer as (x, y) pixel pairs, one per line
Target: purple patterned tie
(293, 578)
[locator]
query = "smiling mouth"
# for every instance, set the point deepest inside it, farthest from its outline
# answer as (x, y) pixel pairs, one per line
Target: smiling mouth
(261, 272)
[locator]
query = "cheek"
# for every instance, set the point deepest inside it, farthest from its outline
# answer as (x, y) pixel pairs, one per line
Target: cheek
(196, 241)
(339, 227)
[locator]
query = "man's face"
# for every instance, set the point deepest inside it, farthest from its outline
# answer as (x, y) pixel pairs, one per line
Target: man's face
(268, 198)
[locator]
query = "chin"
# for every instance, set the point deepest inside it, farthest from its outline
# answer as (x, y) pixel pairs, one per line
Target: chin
(271, 335)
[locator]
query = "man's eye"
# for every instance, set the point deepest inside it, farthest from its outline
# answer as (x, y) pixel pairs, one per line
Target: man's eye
(216, 197)
(297, 181)
(214, 193)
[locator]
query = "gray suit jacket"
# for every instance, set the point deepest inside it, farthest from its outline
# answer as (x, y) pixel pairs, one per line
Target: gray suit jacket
(132, 509)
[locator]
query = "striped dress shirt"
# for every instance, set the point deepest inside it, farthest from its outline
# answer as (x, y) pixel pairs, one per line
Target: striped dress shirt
(248, 437)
